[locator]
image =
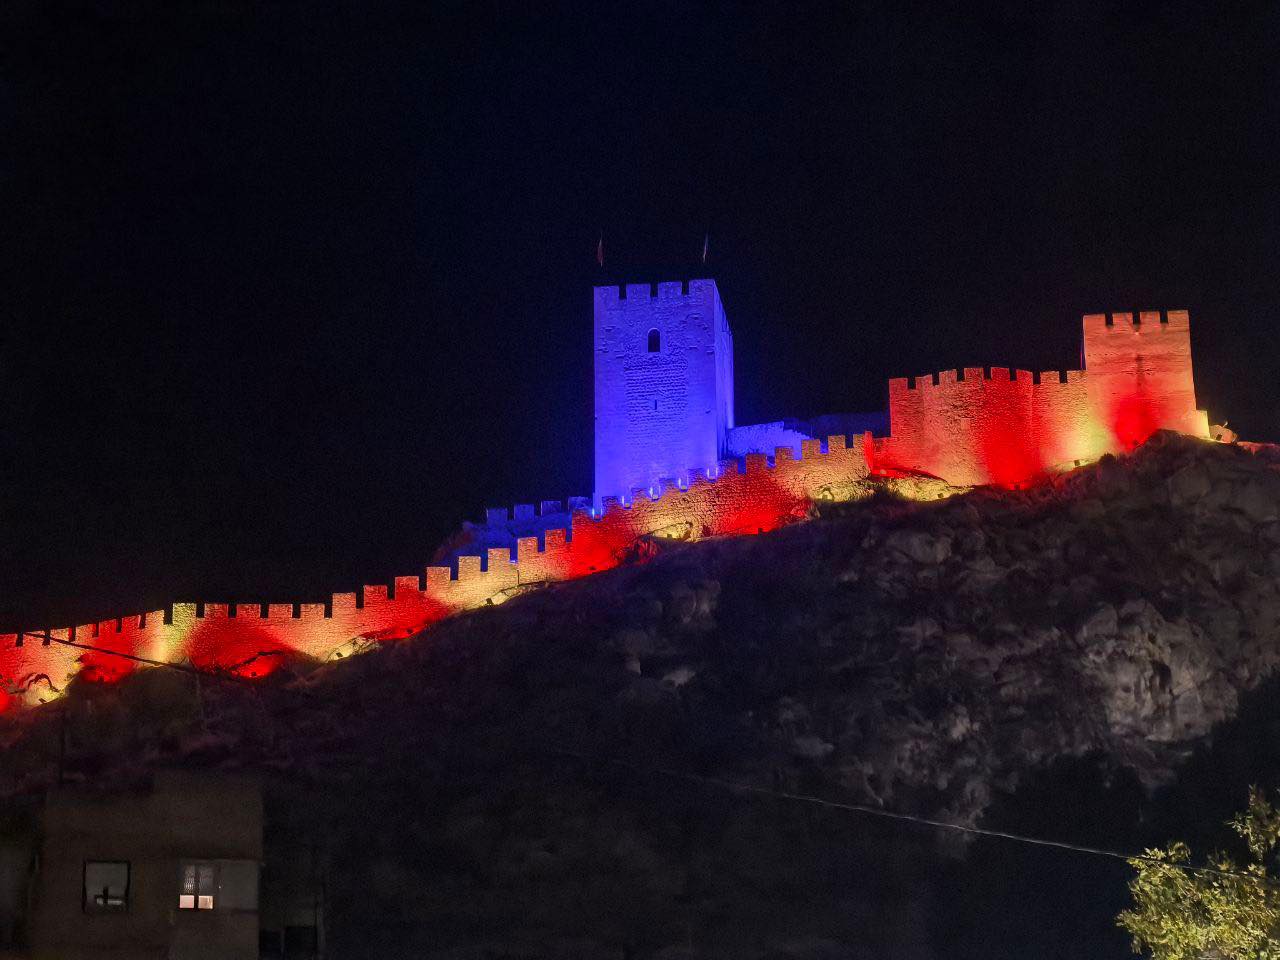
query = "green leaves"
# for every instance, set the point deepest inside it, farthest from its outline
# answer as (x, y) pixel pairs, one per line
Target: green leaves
(1220, 910)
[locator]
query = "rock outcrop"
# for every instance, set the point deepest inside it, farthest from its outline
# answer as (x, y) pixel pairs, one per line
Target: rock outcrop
(548, 776)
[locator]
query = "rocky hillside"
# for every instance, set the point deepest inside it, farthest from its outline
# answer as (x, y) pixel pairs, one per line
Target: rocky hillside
(517, 782)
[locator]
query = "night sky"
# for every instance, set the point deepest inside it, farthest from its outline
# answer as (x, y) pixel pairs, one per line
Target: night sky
(289, 290)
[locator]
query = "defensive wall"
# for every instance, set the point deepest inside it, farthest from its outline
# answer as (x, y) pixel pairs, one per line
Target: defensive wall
(751, 495)
(970, 427)
(996, 426)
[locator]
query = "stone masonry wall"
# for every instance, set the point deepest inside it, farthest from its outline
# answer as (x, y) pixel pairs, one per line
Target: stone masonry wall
(663, 414)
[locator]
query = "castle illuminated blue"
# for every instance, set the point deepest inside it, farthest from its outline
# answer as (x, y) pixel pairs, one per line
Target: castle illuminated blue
(664, 390)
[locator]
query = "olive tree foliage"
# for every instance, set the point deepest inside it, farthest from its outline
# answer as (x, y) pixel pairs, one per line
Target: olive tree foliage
(1230, 911)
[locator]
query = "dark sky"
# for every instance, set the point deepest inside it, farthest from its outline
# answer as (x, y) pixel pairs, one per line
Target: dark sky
(288, 290)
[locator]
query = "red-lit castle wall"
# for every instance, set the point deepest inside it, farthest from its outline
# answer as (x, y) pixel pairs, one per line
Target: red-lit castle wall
(250, 639)
(1140, 375)
(974, 427)
(996, 427)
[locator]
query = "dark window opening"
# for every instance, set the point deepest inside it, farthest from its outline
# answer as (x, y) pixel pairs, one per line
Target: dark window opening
(655, 404)
(655, 341)
(301, 942)
(106, 886)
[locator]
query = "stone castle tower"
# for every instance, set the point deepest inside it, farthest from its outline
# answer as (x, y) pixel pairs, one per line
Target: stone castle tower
(663, 383)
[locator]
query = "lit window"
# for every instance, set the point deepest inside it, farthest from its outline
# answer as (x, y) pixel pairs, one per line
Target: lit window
(106, 886)
(199, 881)
(218, 885)
(655, 340)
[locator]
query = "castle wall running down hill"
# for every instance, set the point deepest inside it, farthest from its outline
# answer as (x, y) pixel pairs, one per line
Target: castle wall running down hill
(994, 426)
(251, 640)
(970, 427)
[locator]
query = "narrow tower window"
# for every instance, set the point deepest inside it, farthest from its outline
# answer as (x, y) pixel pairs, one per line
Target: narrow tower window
(655, 340)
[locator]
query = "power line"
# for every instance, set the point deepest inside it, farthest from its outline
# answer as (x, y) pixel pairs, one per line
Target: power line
(739, 787)
(180, 667)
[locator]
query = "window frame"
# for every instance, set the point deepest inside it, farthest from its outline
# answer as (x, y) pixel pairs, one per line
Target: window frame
(87, 901)
(223, 872)
(653, 340)
(196, 897)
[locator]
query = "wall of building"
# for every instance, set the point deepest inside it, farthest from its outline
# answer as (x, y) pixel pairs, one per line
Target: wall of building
(659, 415)
(205, 817)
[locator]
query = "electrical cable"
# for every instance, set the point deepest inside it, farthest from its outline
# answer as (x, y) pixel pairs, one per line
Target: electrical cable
(738, 787)
(180, 667)
(864, 809)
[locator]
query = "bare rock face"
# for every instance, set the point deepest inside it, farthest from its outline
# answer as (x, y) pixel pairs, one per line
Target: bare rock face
(572, 746)
(919, 546)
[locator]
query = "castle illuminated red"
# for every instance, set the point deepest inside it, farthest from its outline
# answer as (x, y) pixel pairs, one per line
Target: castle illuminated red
(671, 462)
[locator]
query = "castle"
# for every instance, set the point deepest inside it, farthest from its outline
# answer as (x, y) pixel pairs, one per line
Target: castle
(670, 462)
(664, 399)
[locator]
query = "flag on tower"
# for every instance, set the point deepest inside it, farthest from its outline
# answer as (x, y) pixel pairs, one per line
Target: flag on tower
(706, 240)
(600, 250)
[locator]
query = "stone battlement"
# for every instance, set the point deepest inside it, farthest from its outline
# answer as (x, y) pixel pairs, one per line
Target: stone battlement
(757, 494)
(664, 412)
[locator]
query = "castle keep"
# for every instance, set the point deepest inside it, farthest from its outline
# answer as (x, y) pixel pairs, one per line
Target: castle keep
(670, 462)
(663, 383)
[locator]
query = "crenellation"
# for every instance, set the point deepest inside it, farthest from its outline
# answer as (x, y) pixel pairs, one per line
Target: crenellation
(468, 568)
(666, 355)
